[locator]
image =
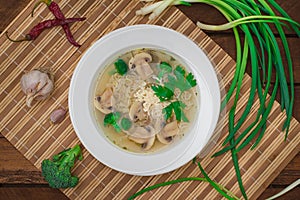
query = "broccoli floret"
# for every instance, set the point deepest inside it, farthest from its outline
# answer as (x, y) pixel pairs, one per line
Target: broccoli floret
(57, 172)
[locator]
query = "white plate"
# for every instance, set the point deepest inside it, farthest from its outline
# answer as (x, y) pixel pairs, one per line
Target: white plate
(83, 84)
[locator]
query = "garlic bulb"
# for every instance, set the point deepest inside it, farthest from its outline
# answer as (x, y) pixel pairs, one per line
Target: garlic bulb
(37, 84)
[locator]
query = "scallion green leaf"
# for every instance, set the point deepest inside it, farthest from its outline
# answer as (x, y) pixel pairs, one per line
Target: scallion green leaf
(252, 18)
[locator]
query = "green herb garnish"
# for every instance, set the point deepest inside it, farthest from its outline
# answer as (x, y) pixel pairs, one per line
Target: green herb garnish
(121, 66)
(181, 80)
(112, 119)
(126, 123)
(165, 68)
(177, 107)
(163, 93)
(221, 189)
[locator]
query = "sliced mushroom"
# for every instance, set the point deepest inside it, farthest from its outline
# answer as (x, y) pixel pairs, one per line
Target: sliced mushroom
(104, 102)
(164, 140)
(142, 132)
(158, 124)
(149, 143)
(168, 133)
(144, 136)
(146, 144)
(157, 117)
(136, 112)
(140, 63)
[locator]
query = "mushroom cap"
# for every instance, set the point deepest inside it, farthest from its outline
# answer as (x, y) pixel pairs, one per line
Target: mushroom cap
(104, 102)
(164, 140)
(142, 132)
(139, 58)
(149, 143)
(144, 136)
(140, 63)
(146, 143)
(136, 112)
(168, 133)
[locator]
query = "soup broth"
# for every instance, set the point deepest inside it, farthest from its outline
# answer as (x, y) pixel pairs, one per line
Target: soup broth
(145, 100)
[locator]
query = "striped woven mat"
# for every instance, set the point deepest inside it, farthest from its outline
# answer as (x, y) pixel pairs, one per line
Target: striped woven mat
(31, 133)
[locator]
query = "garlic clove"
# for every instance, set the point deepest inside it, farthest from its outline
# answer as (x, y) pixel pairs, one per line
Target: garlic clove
(29, 100)
(37, 84)
(58, 116)
(45, 91)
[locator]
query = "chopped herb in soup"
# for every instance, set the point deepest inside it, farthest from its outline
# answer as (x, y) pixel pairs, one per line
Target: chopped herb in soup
(145, 100)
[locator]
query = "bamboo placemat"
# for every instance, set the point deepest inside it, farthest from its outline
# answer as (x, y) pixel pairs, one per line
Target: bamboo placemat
(31, 133)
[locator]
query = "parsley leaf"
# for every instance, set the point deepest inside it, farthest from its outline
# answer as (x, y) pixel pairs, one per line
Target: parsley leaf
(163, 93)
(181, 81)
(168, 111)
(121, 66)
(164, 69)
(191, 80)
(177, 107)
(111, 119)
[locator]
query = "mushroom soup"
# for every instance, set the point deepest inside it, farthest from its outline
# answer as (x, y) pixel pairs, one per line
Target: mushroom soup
(145, 100)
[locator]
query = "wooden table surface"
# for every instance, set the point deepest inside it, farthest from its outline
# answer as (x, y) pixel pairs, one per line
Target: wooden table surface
(19, 179)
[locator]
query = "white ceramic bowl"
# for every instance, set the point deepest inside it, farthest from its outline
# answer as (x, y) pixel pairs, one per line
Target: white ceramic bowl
(83, 85)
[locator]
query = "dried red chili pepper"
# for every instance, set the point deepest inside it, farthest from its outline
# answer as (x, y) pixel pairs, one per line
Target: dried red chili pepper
(40, 27)
(56, 11)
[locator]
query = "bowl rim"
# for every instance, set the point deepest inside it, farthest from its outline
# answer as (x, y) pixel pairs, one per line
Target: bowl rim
(80, 100)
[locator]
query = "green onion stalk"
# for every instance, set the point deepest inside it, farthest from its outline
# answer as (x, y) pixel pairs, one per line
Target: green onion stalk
(254, 20)
(221, 189)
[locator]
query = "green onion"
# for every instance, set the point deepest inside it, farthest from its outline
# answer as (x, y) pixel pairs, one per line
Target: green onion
(215, 185)
(244, 20)
(253, 18)
(293, 185)
(221, 189)
(290, 66)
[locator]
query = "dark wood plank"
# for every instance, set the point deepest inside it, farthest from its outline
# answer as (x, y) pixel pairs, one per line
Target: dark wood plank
(293, 195)
(15, 169)
(19, 179)
(9, 10)
(14, 192)
(290, 173)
